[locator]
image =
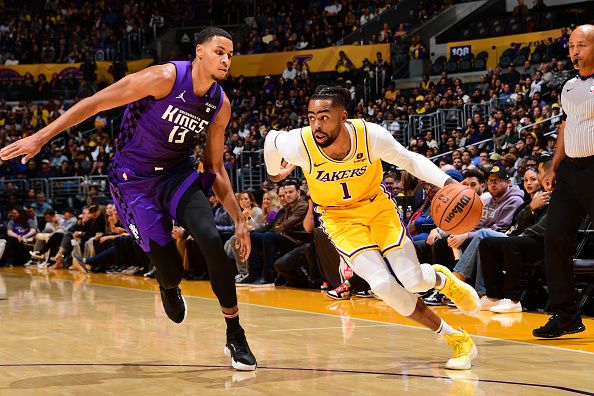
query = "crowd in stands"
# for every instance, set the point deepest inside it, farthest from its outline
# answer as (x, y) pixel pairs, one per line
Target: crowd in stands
(71, 32)
(290, 26)
(287, 247)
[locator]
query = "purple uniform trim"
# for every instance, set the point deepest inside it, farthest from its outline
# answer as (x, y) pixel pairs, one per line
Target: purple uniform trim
(152, 168)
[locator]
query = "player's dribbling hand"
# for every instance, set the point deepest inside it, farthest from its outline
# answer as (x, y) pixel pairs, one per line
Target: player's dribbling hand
(29, 147)
(242, 240)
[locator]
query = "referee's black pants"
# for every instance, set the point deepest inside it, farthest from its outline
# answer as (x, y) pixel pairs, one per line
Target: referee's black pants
(572, 199)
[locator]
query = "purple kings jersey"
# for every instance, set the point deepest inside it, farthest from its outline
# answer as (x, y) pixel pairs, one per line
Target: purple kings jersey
(157, 135)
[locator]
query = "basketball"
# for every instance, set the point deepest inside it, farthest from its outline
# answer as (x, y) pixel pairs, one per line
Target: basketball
(456, 208)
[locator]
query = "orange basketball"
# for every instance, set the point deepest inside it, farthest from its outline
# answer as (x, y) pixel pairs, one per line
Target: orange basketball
(456, 208)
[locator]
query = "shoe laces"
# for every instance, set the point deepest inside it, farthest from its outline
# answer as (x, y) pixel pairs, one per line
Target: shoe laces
(343, 288)
(457, 341)
(174, 292)
(455, 291)
(506, 301)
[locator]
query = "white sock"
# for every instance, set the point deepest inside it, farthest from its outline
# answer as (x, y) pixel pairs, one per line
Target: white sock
(441, 280)
(445, 329)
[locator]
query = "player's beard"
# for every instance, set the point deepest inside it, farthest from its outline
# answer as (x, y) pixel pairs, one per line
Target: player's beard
(330, 137)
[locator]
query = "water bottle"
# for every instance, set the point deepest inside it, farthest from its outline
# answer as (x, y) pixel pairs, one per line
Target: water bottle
(401, 212)
(408, 212)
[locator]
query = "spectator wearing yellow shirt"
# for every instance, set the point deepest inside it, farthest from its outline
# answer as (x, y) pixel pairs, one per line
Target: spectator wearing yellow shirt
(343, 66)
(391, 94)
(426, 85)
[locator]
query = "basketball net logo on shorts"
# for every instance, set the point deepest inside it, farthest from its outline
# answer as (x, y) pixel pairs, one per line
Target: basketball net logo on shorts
(459, 208)
(184, 123)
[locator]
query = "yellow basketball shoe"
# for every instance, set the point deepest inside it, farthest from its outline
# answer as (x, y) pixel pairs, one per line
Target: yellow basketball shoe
(462, 294)
(464, 351)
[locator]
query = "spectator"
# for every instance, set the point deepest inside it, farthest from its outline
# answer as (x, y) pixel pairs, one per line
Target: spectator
(344, 66)
(20, 231)
(156, 23)
(290, 73)
(265, 245)
(502, 259)
(118, 69)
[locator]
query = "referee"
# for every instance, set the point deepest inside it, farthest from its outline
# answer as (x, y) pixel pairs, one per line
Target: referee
(573, 198)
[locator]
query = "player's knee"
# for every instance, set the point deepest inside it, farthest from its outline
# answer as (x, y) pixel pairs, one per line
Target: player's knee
(392, 293)
(412, 280)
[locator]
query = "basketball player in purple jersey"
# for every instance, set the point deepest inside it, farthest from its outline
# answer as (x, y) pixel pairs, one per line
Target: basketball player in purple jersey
(152, 177)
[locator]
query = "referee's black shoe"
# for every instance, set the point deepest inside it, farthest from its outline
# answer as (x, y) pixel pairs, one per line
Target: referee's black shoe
(558, 326)
(237, 347)
(174, 304)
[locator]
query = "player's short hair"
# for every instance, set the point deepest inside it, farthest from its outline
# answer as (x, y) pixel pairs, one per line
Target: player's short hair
(474, 173)
(340, 97)
(208, 33)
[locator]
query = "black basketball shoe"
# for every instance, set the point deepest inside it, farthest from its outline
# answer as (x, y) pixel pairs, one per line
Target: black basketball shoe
(557, 326)
(174, 304)
(237, 347)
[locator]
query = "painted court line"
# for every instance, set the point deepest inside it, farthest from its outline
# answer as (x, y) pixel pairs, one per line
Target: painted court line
(337, 371)
(333, 316)
(329, 327)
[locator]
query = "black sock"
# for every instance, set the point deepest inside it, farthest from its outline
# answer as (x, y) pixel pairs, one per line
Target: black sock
(232, 323)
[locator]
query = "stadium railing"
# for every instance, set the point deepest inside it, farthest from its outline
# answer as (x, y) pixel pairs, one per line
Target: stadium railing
(451, 119)
(485, 141)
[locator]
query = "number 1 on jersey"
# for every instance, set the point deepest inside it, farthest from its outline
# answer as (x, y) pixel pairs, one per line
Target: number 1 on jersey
(345, 191)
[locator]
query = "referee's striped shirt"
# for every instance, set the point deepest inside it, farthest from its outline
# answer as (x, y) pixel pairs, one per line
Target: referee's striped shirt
(577, 100)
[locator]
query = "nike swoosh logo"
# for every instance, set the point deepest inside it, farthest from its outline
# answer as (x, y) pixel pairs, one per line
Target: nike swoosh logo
(569, 89)
(320, 164)
(372, 199)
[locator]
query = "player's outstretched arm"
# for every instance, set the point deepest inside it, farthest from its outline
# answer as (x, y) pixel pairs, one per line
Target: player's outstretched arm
(213, 162)
(384, 146)
(154, 81)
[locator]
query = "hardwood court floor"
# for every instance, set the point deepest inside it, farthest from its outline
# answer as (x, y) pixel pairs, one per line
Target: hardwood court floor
(63, 333)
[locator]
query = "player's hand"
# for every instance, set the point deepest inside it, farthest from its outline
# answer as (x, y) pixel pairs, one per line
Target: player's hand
(450, 181)
(29, 147)
(242, 240)
(434, 235)
(286, 170)
(455, 241)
